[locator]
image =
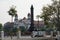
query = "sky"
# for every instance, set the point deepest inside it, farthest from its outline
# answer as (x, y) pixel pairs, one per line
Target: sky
(22, 7)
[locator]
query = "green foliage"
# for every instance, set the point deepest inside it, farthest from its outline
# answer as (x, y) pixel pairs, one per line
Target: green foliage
(46, 14)
(43, 29)
(7, 30)
(15, 30)
(12, 11)
(22, 28)
(50, 15)
(0, 26)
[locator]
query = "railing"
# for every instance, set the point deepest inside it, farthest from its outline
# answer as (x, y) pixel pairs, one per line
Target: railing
(35, 38)
(48, 37)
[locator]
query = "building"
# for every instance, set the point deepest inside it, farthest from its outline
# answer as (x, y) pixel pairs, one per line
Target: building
(25, 22)
(28, 22)
(16, 22)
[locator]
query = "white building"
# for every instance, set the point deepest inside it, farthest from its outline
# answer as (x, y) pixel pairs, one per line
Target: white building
(25, 22)
(16, 22)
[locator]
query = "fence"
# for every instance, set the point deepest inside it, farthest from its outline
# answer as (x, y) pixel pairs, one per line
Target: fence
(35, 38)
(46, 37)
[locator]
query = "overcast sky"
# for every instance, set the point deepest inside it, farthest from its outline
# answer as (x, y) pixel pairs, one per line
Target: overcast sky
(22, 7)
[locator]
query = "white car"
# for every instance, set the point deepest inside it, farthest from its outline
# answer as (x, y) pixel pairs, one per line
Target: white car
(38, 33)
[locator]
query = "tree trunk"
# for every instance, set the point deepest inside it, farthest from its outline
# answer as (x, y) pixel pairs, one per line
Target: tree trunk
(11, 18)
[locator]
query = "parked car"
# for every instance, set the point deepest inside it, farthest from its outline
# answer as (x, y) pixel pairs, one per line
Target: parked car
(37, 34)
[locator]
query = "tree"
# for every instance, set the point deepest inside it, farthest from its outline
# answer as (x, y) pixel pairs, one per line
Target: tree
(56, 5)
(51, 14)
(12, 12)
(15, 30)
(0, 26)
(8, 28)
(22, 28)
(46, 15)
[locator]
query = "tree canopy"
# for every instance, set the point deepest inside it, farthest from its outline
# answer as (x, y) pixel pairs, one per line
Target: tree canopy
(12, 12)
(51, 14)
(0, 26)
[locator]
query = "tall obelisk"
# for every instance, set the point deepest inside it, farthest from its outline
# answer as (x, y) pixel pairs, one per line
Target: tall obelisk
(32, 18)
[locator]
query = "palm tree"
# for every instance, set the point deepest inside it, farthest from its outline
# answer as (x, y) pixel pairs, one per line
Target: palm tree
(12, 12)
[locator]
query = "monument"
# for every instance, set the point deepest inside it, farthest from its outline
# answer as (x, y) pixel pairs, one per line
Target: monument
(32, 19)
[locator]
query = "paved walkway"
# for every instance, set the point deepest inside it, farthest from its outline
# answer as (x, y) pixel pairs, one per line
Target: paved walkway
(28, 38)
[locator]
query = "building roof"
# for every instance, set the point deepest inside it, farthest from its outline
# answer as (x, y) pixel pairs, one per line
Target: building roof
(40, 22)
(24, 18)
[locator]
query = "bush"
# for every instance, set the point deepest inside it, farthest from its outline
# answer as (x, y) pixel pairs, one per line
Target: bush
(43, 29)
